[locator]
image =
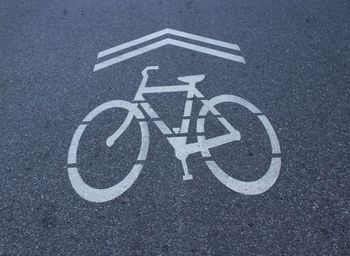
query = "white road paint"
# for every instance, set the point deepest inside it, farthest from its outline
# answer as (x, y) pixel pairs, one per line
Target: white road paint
(102, 195)
(272, 134)
(168, 41)
(162, 127)
(177, 137)
(200, 125)
(188, 108)
(165, 32)
(185, 125)
(72, 154)
(149, 110)
(248, 188)
(111, 139)
(209, 105)
(204, 149)
(252, 187)
(144, 141)
(163, 89)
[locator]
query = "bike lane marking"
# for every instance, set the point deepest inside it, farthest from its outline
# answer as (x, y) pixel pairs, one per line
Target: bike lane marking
(169, 41)
(177, 138)
(251, 187)
(103, 195)
(165, 32)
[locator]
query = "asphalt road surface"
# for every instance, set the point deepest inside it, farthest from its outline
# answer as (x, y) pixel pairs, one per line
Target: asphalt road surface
(297, 56)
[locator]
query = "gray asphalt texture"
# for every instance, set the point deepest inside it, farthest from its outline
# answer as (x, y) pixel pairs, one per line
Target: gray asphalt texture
(297, 73)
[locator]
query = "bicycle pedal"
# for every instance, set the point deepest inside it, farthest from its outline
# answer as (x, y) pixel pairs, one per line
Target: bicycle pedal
(176, 130)
(187, 177)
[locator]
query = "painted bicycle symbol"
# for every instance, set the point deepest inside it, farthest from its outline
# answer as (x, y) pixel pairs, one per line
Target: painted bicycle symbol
(177, 137)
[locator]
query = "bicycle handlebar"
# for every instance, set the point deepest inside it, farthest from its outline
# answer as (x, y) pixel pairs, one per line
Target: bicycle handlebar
(148, 68)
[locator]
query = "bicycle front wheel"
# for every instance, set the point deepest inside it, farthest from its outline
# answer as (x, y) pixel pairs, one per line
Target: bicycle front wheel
(244, 187)
(106, 194)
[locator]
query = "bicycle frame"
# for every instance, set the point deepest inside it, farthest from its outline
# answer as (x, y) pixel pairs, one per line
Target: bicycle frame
(178, 137)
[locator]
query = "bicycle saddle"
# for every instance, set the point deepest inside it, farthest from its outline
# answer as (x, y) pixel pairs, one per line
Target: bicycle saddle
(191, 79)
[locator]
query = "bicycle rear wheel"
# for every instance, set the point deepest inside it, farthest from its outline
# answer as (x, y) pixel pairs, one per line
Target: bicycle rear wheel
(106, 194)
(244, 187)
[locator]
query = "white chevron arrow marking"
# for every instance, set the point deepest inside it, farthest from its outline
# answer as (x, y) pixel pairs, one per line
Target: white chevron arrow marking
(168, 41)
